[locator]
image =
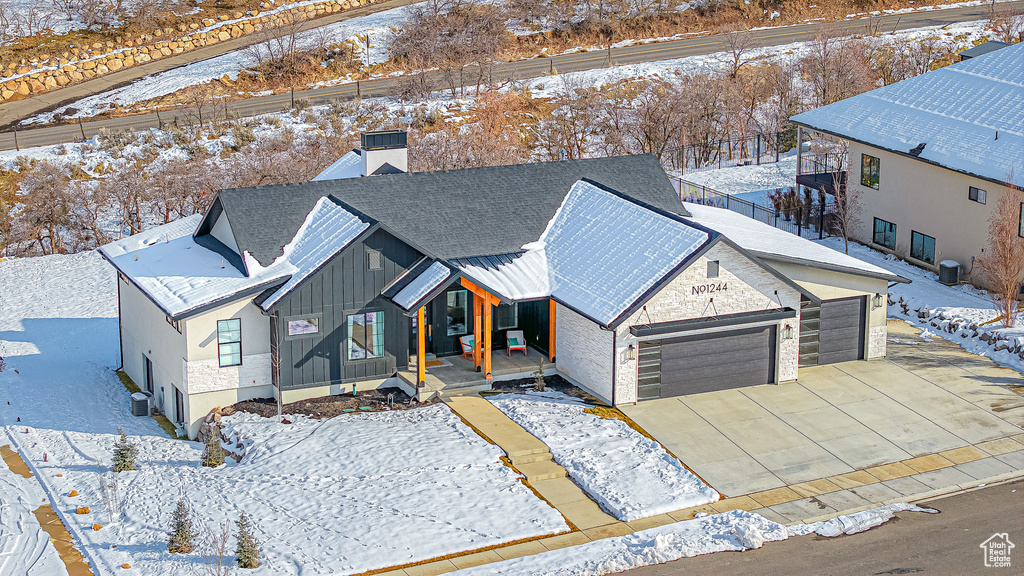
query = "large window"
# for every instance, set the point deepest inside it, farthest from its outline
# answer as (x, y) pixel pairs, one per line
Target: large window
(869, 171)
(229, 342)
(506, 316)
(365, 335)
(977, 194)
(885, 234)
(922, 247)
(456, 317)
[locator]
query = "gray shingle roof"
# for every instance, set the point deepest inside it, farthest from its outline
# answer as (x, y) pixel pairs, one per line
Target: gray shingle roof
(451, 214)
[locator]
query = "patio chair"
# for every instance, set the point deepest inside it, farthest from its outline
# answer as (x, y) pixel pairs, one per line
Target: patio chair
(516, 341)
(467, 346)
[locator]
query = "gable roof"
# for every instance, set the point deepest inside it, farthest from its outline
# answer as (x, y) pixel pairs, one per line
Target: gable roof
(771, 243)
(955, 111)
(455, 214)
(350, 165)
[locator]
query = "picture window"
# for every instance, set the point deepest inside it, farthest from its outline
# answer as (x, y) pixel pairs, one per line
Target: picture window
(229, 342)
(884, 234)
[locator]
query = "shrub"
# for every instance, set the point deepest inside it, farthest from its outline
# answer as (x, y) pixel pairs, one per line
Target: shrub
(248, 550)
(182, 534)
(124, 452)
(213, 455)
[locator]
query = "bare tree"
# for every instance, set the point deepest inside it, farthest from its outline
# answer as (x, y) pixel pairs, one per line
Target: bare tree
(573, 122)
(847, 200)
(49, 207)
(198, 98)
(739, 42)
(1008, 24)
(1002, 262)
(218, 549)
(836, 67)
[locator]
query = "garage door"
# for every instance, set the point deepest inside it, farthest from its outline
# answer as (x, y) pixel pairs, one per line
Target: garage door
(707, 362)
(841, 336)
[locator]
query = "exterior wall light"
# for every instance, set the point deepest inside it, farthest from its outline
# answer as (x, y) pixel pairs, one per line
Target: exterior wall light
(787, 332)
(631, 352)
(876, 302)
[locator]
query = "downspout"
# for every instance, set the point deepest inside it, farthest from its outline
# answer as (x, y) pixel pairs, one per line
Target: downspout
(120, 338)
(615, 361)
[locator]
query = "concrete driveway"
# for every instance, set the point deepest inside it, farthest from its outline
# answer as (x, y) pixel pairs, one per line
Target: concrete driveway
(923, 399)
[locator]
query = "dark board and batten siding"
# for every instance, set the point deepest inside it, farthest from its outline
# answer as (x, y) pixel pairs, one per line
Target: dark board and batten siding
(345, 286)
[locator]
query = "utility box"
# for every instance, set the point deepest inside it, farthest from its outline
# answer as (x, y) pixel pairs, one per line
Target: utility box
(949, 272)
(140, 404)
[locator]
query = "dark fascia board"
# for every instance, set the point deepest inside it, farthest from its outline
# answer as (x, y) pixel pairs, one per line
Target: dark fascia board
(833, 267)
(904, 153)
(137, 287)
(364, 235)
(402, 280)
(691, 324)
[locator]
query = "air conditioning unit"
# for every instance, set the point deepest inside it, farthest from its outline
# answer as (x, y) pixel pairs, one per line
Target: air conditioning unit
(140, 403)
(949, 272)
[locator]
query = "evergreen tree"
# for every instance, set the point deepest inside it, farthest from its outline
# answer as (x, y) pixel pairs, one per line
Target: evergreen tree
(213, 455)
(182, 534)
(124, 452)
(248, 551)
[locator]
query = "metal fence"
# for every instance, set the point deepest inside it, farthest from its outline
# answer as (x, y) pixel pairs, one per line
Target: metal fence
(813, 220)
(716, 153)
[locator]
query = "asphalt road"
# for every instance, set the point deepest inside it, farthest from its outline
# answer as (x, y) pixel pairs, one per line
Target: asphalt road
(519, 70)
(912, 543)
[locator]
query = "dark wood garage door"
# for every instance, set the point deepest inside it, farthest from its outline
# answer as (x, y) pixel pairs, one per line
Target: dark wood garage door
(841, 336)
(707, 362)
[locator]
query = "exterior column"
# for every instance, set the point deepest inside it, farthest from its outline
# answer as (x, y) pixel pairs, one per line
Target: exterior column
(799, 148)
(552, 323)
(478, 303)
(487, 336)
(421, 349)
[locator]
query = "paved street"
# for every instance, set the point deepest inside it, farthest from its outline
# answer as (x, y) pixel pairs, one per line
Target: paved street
(502, 72)
(912, 543)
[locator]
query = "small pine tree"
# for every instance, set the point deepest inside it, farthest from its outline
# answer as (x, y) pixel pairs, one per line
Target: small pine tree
(248, 550)
(182, 534)
(538, 377)
(124, 452)
(213, 455)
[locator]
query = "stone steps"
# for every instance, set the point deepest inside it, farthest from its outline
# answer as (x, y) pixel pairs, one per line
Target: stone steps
(542, 470)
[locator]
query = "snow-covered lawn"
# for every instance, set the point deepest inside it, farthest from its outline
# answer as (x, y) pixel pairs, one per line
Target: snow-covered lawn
(24, 547)
(630, 475)
(338, 496)
(732, 531)
(961, 314)
(750, 183)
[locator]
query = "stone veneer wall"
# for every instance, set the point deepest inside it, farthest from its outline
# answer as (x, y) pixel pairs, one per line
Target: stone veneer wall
(207, 376)
(583, 352)
(48, 72)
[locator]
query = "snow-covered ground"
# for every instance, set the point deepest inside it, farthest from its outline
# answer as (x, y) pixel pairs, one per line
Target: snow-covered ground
(24, 547)
(607, 458)
(751, 183)
(732, 531)
(338, 496)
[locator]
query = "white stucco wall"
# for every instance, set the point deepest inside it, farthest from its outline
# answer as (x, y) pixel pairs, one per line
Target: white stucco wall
(222, 231)
(917, 196)
(749, 288)
(584, 352)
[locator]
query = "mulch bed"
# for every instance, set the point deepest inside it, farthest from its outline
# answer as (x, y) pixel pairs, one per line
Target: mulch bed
(553, 382)
(328, 406)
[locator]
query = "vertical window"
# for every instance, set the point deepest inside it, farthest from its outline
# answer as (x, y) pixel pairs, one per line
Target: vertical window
(229, 342)
(457, 306)
(869, 171)
(506, 316)
(884, 234)
(977, 194)
(374, 260)
(922, 247)
(1020, 221)
(365, 335)
(712, 268)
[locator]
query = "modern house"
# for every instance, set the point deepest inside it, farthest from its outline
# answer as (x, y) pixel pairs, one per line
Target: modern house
(343, 283)
(929, 156)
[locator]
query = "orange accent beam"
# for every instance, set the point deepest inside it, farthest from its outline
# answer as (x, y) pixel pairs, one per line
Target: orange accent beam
(552, 312)
(421, 349)
(478, 303)
(476, 290)
(487, 336)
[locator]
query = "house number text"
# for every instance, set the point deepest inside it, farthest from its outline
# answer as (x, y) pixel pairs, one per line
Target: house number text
(710, 288)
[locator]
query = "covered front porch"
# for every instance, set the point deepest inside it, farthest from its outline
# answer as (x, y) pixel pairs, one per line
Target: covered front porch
(455, 374)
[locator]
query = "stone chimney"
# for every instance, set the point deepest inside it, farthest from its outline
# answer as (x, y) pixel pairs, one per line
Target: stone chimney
(384, 152)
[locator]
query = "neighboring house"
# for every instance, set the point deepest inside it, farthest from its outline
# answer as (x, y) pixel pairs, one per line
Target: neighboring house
(307, 290)
(929, 156)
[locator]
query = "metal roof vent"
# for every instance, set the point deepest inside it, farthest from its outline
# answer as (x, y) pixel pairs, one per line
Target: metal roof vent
(949, 272)
(916, 150)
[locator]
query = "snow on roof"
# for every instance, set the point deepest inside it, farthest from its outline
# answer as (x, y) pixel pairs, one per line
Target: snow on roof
(348, 166)
(955, 111)
(599, 254)
(180, 275)
(767, 241)
(328, 229)
(420, 286)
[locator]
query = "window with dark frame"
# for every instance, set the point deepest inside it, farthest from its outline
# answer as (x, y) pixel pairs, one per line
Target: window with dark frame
(365, 335)
(229, 342)
(506, 316)
(869, 168)
(303, 326)
(457, 312)
(884, 234)
(1020, 221)
(713, 268)
(922, 247)
(977, 195)
(374, 260)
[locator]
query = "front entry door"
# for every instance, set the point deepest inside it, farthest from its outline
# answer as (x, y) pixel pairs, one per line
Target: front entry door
(427, 317)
